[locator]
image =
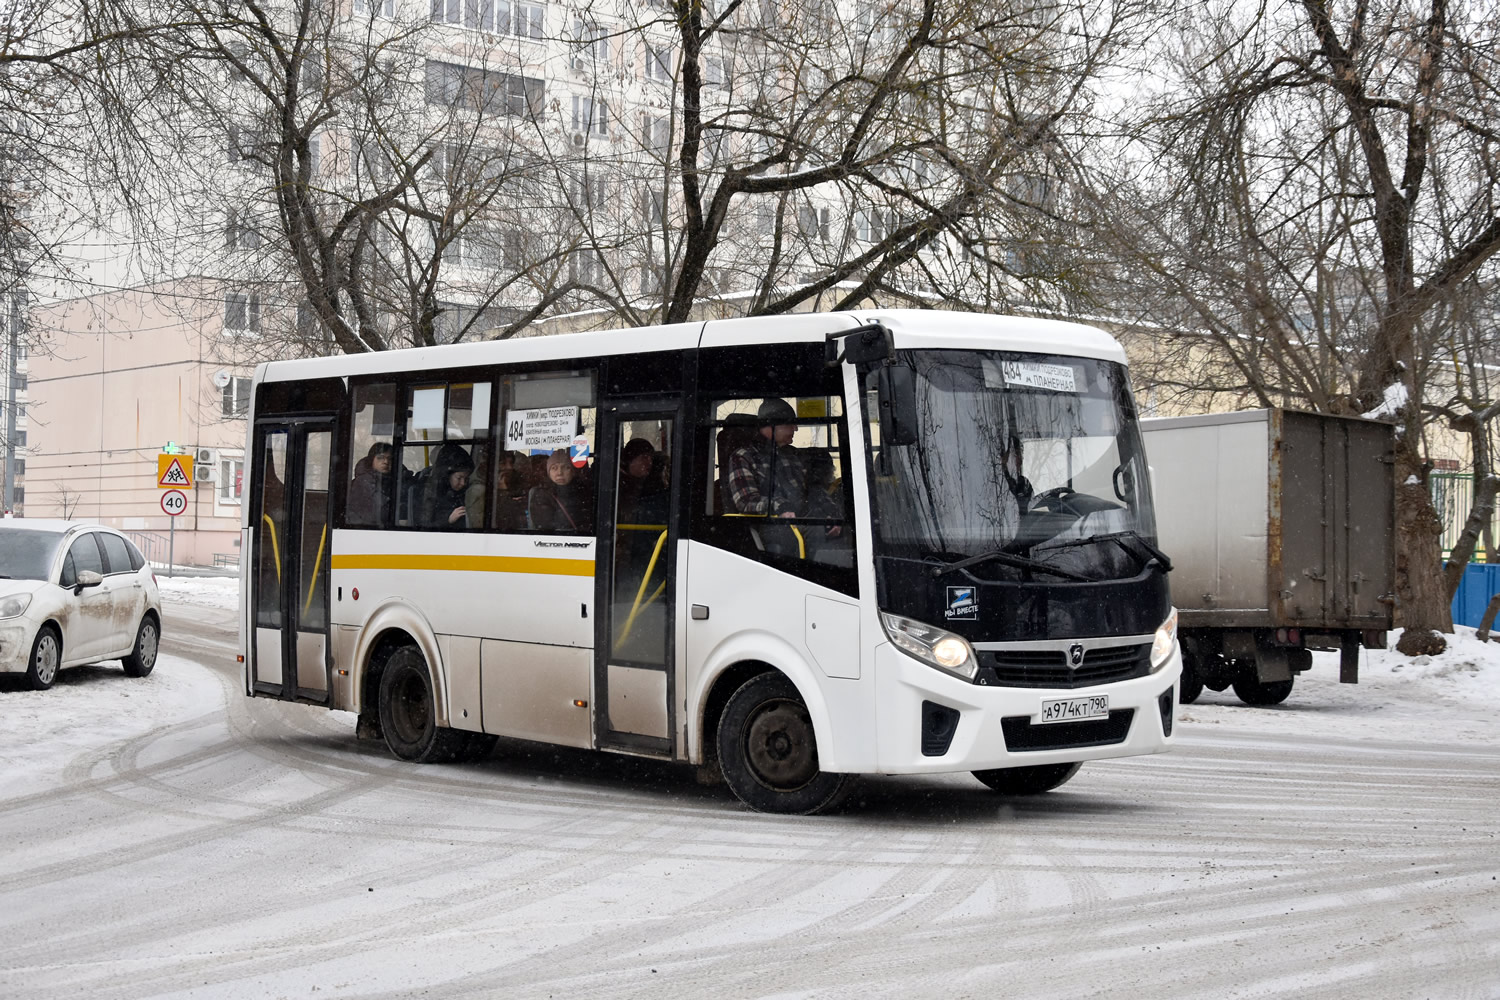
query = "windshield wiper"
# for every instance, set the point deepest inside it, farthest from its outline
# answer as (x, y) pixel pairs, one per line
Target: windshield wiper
(1001, 556)
(1119, 538)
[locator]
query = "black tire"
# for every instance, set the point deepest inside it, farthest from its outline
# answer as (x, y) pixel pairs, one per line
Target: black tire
(408, 714)
(768, 753)
(46, 658)
(1191, 685)
(1257, 692)
(1033, 779)
(142, 656)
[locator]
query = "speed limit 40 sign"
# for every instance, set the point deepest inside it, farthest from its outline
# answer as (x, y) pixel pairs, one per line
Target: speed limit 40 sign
(174, 502)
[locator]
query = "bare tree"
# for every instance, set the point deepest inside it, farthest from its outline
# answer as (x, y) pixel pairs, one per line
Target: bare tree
(1320, 182)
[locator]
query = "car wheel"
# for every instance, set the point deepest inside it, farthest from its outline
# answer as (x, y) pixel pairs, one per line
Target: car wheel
(46, 658)
(1258, 692)
(768, 753)
(1033, 779)
(408, 714)
(142, 656)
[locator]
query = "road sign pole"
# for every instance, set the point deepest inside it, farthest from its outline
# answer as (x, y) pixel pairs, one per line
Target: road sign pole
(171, 544)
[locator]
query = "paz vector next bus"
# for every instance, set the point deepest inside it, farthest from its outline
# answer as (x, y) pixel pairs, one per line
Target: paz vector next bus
(794, 549)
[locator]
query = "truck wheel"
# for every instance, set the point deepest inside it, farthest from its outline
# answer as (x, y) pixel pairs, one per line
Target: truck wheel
(768, 753)
(408, 715)
(1255, 692)
(1031, 780)
(1191, 685)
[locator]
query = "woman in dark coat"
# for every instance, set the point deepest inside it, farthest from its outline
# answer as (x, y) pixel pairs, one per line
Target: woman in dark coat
(443, 492)
(564, 504)
(370, 491)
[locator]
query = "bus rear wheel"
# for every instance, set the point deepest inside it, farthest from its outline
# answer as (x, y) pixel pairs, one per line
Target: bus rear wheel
(1033, 779)
(408, 713)
(768, 752)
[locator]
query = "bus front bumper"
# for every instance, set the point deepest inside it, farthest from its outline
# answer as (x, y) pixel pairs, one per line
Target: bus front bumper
(931, 722)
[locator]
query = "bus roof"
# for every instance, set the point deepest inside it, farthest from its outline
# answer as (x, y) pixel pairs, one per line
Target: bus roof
(911, 328)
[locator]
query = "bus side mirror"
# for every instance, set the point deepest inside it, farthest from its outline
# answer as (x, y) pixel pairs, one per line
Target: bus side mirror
(896, 387)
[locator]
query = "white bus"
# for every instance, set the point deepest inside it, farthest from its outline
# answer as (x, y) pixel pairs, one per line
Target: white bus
(794, 549)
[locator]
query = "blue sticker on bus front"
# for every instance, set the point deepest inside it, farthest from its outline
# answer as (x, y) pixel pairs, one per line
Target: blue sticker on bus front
(962, 603)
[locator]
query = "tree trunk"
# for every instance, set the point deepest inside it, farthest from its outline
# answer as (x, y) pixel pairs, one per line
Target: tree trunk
(1423, 607)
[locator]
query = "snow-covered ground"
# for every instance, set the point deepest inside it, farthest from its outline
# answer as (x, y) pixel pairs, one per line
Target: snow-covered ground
(168, 837)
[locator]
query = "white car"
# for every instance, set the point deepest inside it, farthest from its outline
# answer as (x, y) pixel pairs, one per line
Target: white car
(74, 593)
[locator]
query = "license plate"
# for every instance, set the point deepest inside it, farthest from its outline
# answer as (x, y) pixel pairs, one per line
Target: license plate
(1095, 706)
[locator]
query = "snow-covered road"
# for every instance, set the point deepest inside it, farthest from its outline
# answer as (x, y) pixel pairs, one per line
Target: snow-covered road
(170, 838)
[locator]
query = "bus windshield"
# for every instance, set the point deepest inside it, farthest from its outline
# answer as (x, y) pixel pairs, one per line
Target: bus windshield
(1025, 467)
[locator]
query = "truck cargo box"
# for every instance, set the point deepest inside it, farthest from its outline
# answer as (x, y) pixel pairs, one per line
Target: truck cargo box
(1280, 526)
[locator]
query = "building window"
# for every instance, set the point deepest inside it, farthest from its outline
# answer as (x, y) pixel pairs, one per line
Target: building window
(242, 312)
(871, 224)
(660, 60)
(590, 116)
(380, 8)
(20, 466)
(20, 439)
(590, 45)
(586, 266)
(239, 231)
(236, 397)
(231, 477)
(521, 18)
(453, 85)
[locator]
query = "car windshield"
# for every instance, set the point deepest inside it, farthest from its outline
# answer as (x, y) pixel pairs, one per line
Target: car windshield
(1021, 461)
(27, 555)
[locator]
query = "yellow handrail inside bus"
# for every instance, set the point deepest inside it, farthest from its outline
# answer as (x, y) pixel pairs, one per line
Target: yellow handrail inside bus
(635, 608)
(316, 563)
(801, 545)
(275, 549)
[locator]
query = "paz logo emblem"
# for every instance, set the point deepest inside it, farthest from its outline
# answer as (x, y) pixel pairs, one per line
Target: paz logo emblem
(1075, 654)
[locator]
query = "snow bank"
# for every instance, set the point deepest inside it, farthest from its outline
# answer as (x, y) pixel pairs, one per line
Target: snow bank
(200, 591)
(1397, 697)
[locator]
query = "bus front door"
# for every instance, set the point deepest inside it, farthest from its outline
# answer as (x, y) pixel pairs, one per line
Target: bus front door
(633, 674)
(289, 561)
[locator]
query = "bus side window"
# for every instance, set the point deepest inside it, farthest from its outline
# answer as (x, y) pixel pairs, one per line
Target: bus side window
(444, 456)
(372, 485)
(547, 418)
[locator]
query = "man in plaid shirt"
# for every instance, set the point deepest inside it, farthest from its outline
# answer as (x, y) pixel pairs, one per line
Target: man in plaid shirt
(763, 478)
(771, 478)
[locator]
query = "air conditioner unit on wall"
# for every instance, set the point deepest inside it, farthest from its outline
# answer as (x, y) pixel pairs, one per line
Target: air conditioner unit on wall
(206, 456)
(205, 465)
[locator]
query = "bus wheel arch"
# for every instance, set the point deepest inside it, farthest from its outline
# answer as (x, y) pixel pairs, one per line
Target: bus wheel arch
(767, 748)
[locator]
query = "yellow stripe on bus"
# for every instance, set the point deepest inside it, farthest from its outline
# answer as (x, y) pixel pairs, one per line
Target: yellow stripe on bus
(469, 564)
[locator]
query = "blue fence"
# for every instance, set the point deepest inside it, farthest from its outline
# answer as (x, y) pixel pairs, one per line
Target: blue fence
(1481, 582)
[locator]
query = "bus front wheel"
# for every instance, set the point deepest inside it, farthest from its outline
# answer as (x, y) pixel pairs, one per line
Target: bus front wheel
(408, 715)
(768, 753)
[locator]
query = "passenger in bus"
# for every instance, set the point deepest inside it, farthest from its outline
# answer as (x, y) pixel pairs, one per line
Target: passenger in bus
(442, 500)
(642, 486)
(565, 502)
(771, 478)
(370, 490)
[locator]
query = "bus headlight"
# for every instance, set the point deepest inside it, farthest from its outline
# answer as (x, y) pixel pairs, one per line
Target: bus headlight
(15, 605)
(1165, 641)
(933, 646)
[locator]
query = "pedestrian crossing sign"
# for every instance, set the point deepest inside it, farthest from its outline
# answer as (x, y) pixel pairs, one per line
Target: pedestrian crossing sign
(173, 472)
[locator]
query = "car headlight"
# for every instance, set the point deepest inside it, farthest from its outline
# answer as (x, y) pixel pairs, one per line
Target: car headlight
(11, 607)
(933, 646)
(1165, 642)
